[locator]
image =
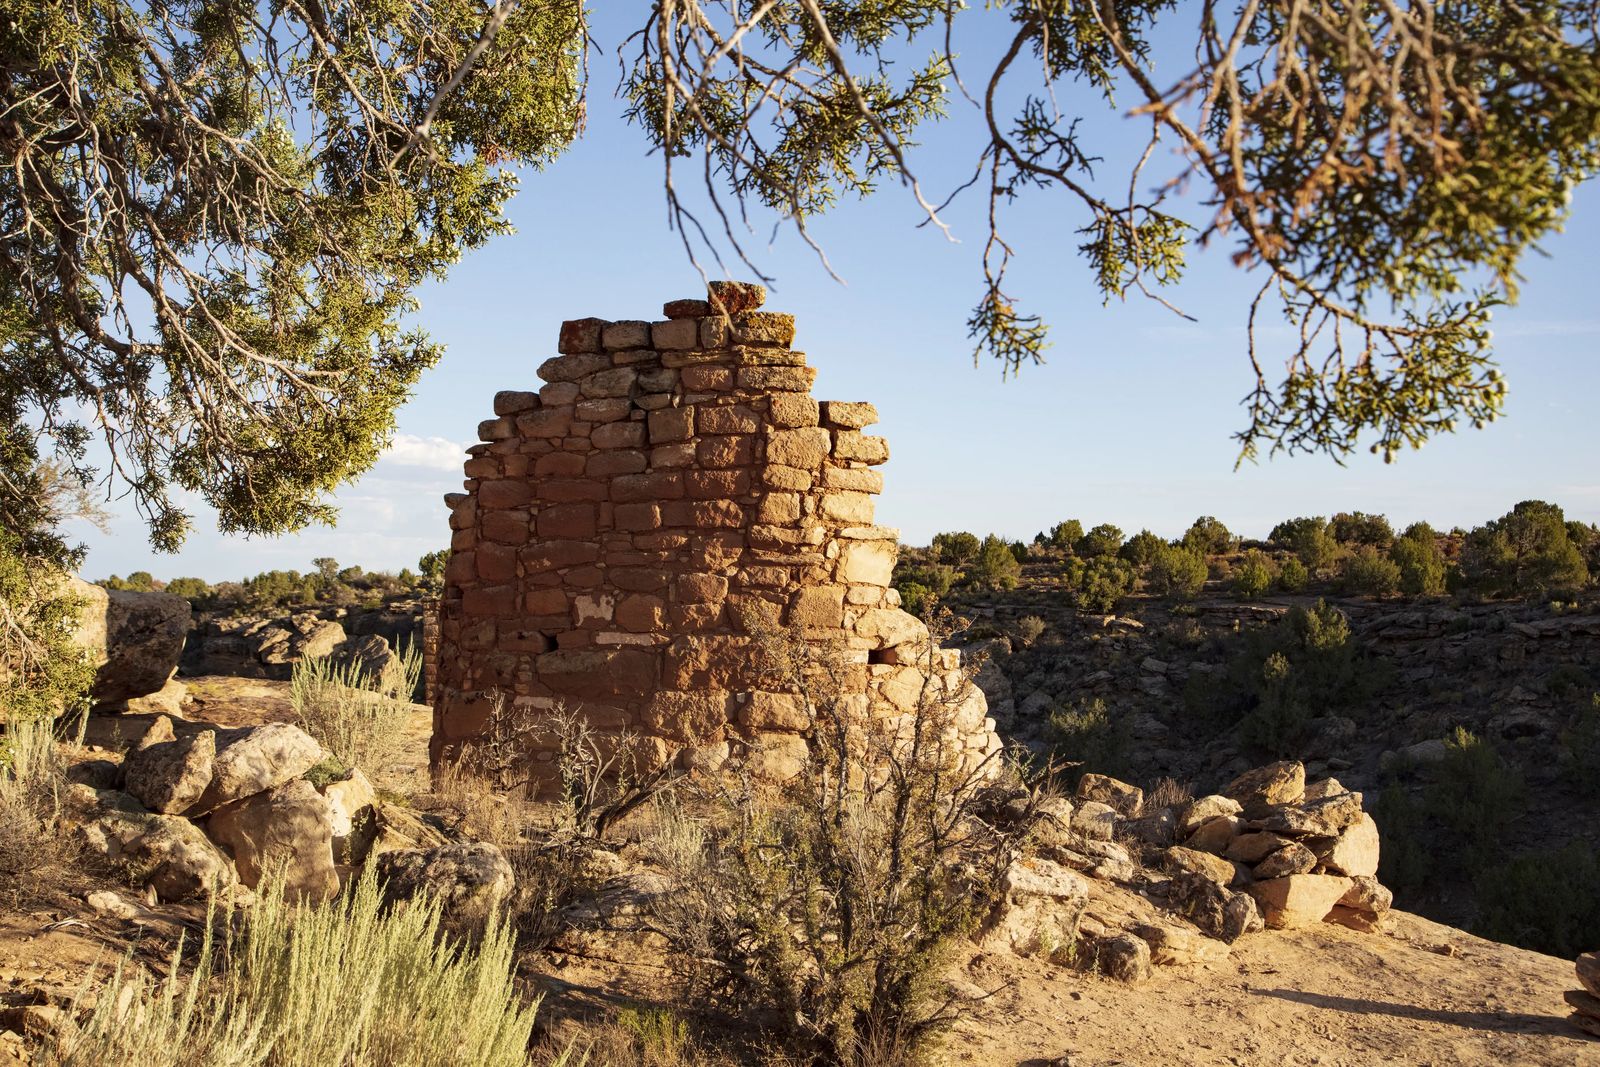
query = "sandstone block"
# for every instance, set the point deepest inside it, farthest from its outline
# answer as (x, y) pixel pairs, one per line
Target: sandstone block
(1322, 818)
(566, 521)
(469, 880)
(515, 402)
(1216, 835)
(1588, 966)
(1205, 808)
(817, 608)
(776, 379)
(497, 563)
(1298, 900)
(868, 562)
(1095, 820)
(653, 486)
(628, 334)
(730, 450)
(1208, 866)
(763, 327)
(860, 447)
(570, 368)
(675, 334)
(716, 484)
(671, 424)
(1364, 921)
(1040, 907)
(289, 828)
(774, 711)
(641, 613)
(731, 298)
(849, 416)
(728, 418)
(580, 335)
(854, 508)
(1254, 847)
(1125, 958)
(1126, 799)
(614, 382)
(607, 409)
(545, 423)
(583, 672)
(793, 410)
(256, 759)
(855, 479)
(630, 434)
(1264, 787)
(505, 493)
(1293, 858)
(776, 757)
(706, 379)
(1367, 894)
(495, 429)
(685, 309)
(1355, 850)
(779, 509)
(169, 774)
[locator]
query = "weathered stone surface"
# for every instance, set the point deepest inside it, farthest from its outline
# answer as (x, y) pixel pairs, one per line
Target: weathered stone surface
(170, 775)
(1215, 835)
(1125, 958)
(1265, 787)
(1588, 968)
(468, 879)
(287, 829)
(1254, 847)
(1094, 819)
(1126, 799)
(1355, 850)
(257, 759)
(1583, 1002)
(135, 639)
(734, 297)
(1321, 818)
(1203, 809)
(1204, 864)
(1298, 900)
(1041, 903)
(1172, 946)
(1293, 858)
(1366, 894)
(167, 852)
(1364, 921)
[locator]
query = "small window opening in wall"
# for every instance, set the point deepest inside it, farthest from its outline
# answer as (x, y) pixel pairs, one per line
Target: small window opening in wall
(882, 655)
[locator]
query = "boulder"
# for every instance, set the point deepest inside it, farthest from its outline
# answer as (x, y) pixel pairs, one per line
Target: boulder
(350, 808)
(1293, 858)
(289, 828)
(1328, 787)
(1213, 908)
(169, 775)
(1124, 957)
(468, 879)
(1094, 819)
(1366, 894)
(1172, 946)
(1054, 823)
(1589, 971)
(1316, 818)
(168, 700)
(1267, 787)
(1298, 900)
(167, 852)
(1204, 864)
(400, 829)
(1124, 798)
(1041, 903)
(1205, 809)
(257, 759)
(1587, 1023)
(1583, 1003)
(1214, 835)
(1255, 847)
(370, 654)
(135, 638)
(1354, 851)
(1159, 827)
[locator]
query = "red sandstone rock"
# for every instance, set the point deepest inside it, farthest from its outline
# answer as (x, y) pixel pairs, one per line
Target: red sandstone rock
(734, 297)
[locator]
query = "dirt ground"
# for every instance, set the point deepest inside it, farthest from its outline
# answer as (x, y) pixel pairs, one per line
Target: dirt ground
(1418, 994)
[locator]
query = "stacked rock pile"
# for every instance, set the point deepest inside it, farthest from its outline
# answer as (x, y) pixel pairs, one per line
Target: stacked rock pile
(216, 810)
(1585, 1002)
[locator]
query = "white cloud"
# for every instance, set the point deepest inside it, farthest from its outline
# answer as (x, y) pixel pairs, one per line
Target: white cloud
(429, 453)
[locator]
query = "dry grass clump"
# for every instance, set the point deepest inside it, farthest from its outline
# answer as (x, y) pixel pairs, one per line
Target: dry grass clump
(360, 718)
(32, 789)
(344, 982)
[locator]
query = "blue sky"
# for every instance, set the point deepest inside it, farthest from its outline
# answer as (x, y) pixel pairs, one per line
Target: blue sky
(1130, 420)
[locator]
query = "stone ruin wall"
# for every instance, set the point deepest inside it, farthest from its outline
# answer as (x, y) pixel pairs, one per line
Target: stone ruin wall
(671, 481)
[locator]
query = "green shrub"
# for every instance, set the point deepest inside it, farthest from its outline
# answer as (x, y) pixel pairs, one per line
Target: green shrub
(1526, 552)
(33, 784)
(1359, 528)
(1293, 576)
(1580, 749)
(1141, 548)
(1178, 571)
(1065, 535)
(995, 567)
(1088, 736)
(1420, 561)
(1365, 572)
(1548, 901)
(1029, 627)
(44, 674)
(955, 549)
(1253, 576)
(1098, 584)
(1209, 537)
(191, 589)
(1277, 724)
(1475, 795)
(1308, 538)
(1103, 540)
(347, 981)
(1405, 863)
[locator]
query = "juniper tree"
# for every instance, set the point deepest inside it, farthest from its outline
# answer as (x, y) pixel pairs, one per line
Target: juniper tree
(1382, 168)
(213, 216)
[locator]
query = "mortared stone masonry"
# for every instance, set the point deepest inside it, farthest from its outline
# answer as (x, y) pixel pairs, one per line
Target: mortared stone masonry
(671, 490)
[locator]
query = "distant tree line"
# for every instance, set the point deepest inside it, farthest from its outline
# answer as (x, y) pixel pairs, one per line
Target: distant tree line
(1532, 551)
(326, 584)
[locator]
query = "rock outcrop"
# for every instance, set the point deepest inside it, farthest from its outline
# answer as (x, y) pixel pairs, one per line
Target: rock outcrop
(135, 638)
